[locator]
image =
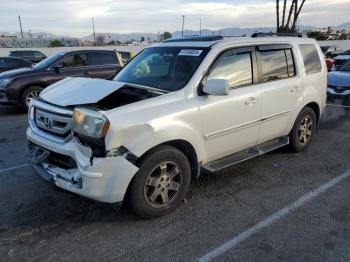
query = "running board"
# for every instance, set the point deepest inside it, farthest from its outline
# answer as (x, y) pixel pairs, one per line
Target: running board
(246, 154)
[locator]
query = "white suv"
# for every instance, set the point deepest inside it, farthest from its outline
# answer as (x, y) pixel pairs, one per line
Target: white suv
(177, 108)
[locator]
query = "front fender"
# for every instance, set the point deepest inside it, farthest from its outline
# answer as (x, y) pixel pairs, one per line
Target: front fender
(139, 139)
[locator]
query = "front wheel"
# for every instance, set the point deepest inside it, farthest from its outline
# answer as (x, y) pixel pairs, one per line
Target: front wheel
(303, 130)
(161, 183)
(28, 95)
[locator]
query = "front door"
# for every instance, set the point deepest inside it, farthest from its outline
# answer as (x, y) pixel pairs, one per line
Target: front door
(231, 123)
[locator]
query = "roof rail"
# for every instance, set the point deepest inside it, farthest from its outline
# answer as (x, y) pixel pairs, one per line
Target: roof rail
(263, 34)
(208, 38)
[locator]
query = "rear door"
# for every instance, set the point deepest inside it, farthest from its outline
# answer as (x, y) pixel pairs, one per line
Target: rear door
(103, 64)
(281, 89)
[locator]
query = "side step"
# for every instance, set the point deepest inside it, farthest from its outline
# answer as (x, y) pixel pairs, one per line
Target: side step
(246, 154)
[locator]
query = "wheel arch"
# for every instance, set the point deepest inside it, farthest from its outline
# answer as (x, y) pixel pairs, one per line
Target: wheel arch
(25, 87)
(316, 108)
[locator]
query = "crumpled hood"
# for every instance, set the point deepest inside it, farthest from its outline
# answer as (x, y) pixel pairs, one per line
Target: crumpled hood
(79, 91)
(339, 78)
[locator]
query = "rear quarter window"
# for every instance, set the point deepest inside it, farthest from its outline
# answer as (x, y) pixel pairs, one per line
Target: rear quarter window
(311, 58)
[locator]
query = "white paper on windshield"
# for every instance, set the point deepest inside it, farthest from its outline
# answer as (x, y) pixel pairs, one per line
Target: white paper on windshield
(190, 52)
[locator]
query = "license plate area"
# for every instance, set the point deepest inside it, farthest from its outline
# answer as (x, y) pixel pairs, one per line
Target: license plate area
(38, 154)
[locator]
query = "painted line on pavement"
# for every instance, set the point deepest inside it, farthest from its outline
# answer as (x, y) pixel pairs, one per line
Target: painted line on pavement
(13, 168)
(305, 199)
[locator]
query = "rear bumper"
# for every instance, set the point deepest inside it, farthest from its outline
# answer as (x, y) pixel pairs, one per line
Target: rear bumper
(102, 179)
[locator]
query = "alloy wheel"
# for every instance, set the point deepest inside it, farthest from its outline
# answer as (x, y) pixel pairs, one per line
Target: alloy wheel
(305, 130)
(32, 96)
(163, 184)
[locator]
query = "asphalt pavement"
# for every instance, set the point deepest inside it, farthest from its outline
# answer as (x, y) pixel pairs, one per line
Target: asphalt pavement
(224, 216)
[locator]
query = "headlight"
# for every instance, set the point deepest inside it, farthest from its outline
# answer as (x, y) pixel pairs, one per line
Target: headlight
(90, 123)
(4, 82)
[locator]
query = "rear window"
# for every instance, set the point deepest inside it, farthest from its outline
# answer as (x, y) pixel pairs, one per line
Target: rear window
(102, 59)
(311, 58)
(276, 64)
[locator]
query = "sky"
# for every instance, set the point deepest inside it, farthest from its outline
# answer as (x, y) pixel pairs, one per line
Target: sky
(73, 17)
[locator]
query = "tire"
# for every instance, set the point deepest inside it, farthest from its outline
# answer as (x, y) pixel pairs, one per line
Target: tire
(303, 130)
(28, 94)
(161, 183)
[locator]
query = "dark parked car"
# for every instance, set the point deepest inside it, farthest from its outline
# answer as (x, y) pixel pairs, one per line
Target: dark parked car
(9, 63)
(32, 56)
(18, 87)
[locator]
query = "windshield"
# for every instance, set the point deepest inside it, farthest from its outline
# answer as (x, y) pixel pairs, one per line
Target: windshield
(48, 61)
(165, 68)
(345, 67)
(324, 48)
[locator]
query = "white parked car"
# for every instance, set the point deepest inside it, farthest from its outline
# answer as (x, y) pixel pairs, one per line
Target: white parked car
(175, 109)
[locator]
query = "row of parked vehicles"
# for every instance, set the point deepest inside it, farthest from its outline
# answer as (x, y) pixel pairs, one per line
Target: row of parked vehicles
(34, 71)
(178, 108)
(338, 64)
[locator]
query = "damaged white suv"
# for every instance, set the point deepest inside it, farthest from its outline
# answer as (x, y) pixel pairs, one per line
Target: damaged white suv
(177, 108)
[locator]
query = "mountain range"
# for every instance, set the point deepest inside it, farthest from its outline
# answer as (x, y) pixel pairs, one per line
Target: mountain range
(231, 31)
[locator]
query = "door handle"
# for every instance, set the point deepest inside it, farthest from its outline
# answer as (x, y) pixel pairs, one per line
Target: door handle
(295, 89)
(251, 100)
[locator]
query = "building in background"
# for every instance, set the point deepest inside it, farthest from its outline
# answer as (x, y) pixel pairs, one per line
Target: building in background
(38, 42)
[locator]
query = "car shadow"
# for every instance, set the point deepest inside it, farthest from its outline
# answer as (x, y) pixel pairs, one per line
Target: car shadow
(10, 111)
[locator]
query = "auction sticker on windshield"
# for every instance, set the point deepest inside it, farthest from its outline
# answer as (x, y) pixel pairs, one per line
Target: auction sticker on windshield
(190, 52)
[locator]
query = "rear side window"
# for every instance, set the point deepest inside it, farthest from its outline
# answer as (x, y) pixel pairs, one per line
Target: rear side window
(2, 63)
(236, 68)
(76, 60)
(311, 58)
(102, 59)
(276, 64)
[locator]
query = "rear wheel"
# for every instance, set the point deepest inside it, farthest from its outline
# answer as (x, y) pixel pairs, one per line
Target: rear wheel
(304, 127)
(28, 95)
(161, 183)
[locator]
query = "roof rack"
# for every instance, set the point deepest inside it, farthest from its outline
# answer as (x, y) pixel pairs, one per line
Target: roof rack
(263, 34)
(208, 38)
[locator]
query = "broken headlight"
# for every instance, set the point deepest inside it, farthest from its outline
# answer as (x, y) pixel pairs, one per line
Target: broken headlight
(90, 123)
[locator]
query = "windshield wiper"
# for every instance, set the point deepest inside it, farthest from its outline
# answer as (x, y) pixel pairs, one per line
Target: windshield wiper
(148, 88)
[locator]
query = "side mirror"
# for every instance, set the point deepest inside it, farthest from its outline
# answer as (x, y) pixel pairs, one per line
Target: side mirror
(57, 67)
(216, 87)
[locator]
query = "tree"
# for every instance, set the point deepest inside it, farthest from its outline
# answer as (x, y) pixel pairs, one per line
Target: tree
(317, 35)
(56, 43)
(100, 40)
(142, 39)
(289, 25)
(166, 35)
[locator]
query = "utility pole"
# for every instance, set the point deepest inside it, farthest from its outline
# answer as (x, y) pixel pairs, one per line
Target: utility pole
(200, 26)
(183, 25)
(93, 29)
(20, 25)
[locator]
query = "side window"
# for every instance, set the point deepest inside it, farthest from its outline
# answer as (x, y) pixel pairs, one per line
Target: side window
(290, 62)
(102, 59)
(236, 68)
(3, 63)
(11, 62)
(38, 55)
(311, 58)
(274, 65)
(74, 61)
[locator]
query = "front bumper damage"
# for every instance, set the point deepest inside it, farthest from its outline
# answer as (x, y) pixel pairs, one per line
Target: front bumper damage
(102, 179)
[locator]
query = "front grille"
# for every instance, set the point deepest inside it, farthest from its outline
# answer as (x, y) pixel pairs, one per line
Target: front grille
(53, 121)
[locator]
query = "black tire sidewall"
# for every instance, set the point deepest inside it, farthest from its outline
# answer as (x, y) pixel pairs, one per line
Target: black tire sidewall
(293, 136)
(138, 203)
